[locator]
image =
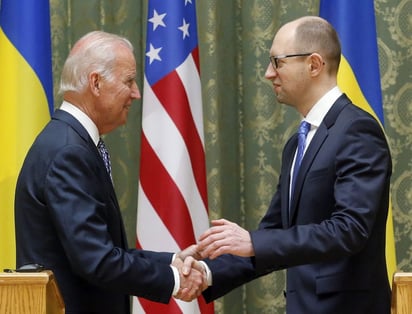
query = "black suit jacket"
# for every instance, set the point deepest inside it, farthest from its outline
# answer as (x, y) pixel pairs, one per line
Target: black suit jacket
(331, 238)
(67, 218)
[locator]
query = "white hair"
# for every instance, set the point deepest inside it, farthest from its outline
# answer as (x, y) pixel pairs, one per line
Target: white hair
(94, 52)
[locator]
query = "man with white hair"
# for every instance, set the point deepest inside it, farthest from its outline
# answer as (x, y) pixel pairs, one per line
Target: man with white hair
(67, 215)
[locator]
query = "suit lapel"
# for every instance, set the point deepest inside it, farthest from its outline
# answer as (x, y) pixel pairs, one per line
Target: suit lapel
(107, 184)
(312, 150)
(314, 147)
(285, 178)
(76, 125)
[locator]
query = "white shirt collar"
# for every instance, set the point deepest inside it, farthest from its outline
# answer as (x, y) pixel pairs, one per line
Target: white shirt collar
(321, 108)
(84, 120)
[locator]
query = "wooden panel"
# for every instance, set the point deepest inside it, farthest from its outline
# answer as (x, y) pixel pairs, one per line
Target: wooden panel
(35, 293)
(402, 293)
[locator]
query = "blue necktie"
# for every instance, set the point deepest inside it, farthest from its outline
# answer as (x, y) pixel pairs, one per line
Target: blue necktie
(303, 130)
(105, 155)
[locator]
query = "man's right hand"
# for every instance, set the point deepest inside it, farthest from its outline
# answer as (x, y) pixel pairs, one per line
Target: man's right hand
(192, 278)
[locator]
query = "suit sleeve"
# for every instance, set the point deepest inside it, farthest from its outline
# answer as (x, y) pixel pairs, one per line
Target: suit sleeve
(228, 272)
(343, 201)
(88, 222)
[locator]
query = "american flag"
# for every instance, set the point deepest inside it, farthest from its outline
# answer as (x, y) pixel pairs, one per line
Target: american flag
(172, 198)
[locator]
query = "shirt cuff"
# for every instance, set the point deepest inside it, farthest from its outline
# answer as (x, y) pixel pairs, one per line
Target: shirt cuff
(208, 273)
(177, 280)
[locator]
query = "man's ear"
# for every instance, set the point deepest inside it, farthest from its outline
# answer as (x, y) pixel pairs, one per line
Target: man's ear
(94, 83)
(316, 64)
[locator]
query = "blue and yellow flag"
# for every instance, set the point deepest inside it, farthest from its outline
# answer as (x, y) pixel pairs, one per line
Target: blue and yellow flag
(358, 74)
(26, 99)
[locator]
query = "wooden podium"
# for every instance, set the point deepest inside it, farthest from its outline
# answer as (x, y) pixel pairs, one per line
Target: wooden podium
(401, 293)
(34, 293)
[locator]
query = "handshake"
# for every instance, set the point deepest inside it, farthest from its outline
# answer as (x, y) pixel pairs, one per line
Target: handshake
(224, 237)
(192, 273)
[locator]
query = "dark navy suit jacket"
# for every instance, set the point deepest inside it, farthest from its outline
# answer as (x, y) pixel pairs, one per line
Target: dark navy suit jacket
(67, 218)
(333, 241)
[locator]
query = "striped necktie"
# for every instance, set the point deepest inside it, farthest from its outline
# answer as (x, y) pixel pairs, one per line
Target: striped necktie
(303, 130)
(105, 156)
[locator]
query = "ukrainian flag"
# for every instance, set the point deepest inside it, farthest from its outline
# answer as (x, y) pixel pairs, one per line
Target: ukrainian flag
(358, 74)
(26, 99)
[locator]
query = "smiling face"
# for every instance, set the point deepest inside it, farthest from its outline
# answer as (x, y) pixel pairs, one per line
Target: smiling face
(305, 56)
(290, 78)
(99, 78)
(116, 93)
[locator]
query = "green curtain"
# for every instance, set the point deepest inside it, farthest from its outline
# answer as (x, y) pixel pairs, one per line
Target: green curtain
(245, 128)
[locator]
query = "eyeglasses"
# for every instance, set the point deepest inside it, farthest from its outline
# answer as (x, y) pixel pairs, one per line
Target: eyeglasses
(274, 59)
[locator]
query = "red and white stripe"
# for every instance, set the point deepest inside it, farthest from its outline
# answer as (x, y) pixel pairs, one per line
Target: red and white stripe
(172, 196)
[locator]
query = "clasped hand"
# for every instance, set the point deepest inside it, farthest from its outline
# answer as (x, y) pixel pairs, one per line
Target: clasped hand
(224, 237)
(192, 278)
